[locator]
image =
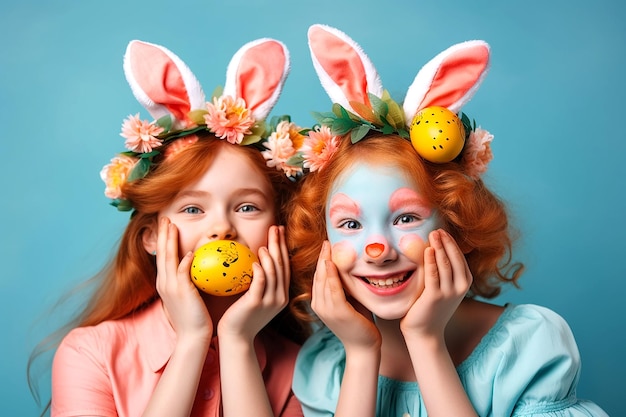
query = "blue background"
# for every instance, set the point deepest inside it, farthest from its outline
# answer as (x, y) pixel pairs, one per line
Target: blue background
(553, 98)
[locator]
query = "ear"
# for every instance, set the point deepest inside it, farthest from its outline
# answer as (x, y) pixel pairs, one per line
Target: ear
(448, 80)
(161, 82)
(149, 239)
(257, 73)
(346, 73)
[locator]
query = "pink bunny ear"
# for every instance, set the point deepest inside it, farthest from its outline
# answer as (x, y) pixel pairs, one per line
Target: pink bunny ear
(346, 73)
(450, 79)
(161, 82)
(257, 73)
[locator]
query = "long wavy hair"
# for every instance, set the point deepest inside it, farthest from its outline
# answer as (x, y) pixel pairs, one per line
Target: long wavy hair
(127, 283)
(469, 211)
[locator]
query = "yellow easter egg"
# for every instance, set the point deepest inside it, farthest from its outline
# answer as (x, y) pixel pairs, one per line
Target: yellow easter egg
(437, 134)
(222, 267)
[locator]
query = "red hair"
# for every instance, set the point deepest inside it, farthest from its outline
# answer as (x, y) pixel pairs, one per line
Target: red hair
(469, 211)
(128, 282)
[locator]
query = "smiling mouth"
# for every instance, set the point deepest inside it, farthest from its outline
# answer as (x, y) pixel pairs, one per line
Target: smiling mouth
(388, 282)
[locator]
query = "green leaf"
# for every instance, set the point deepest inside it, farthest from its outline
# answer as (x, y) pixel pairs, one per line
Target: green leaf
(296, 160)
(218, 92)
(165, 122)
(197, 116)
(337, 109)
(140, 170)
(359, 133)
(342, 126)
(321, 117)
(122, 205)
(404, 133)
(388, 129)
(395, 116)
(148, 155)
(250, 139)
(380, 107)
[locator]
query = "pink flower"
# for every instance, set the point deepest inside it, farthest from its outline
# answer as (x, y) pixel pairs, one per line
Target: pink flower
(115, 174)
(179, 144)
(141, 135)
(229, 119)
(281, 146)
(477, 153)
(319, 148)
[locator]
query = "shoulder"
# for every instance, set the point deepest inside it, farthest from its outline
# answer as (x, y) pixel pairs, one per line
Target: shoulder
(319, 370)
(530, 359)
(107, 339)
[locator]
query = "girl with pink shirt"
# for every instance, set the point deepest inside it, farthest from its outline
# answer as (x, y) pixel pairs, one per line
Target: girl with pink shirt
(149, 342)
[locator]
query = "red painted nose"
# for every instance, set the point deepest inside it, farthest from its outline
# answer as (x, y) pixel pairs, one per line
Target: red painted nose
(374, 250)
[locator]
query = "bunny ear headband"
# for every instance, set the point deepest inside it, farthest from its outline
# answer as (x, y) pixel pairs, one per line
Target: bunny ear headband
(170, 92)
(428, 116)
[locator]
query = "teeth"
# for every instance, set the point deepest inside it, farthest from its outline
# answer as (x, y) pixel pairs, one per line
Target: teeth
(385, 283)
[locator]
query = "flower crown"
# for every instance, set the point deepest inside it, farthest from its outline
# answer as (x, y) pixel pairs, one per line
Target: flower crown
(428, 116)
(170, 92)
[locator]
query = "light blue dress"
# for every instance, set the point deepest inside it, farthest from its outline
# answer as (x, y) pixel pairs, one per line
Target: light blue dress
(527, 365)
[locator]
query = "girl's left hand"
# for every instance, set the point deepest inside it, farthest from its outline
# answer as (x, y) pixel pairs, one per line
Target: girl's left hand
(268, 293)
(447, 278)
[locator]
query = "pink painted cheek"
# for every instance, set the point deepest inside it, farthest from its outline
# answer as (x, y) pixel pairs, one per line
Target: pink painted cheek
(412, 246)
(344, 255)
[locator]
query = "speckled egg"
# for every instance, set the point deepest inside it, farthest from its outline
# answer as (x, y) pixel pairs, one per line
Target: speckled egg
(222, 267)
(437, 134)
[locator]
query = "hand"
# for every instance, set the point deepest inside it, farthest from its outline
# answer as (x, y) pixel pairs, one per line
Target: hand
(447, 278)
(268, 293)
(355, 329)
(183, 304)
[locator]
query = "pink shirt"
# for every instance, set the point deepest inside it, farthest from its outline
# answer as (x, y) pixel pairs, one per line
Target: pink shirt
(112, 369)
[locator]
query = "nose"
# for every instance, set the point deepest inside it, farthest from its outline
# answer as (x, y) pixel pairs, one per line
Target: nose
(221, 228)
(379, 251)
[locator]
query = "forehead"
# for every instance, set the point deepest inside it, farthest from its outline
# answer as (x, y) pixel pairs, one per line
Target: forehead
(376, 181)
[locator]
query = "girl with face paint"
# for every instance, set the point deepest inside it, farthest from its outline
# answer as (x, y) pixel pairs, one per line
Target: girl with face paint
(390, 251)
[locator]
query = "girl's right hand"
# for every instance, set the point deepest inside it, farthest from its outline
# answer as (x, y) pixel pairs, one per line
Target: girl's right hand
(183, 304)
(355, 329)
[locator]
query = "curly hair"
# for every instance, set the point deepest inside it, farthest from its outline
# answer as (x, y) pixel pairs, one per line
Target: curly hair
(469, 211)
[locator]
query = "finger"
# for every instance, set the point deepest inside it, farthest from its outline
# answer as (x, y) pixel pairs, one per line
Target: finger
(171, 254)
(269, 271)
(284, 254)
(319, 280)
(334, 289)
(444, 266)
(257, 286)
(431, 274)
(461, 274)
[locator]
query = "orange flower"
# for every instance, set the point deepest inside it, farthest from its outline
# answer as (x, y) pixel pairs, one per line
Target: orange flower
(281, 147)
(140, 135)
(319, 148)
(179, 144)
(229, 119)
(477, 153)
(116, 173)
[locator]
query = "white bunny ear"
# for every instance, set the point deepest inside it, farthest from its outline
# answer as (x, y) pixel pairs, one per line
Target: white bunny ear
(162, 82)
(346, 73)
(257, 73)
(450, 79)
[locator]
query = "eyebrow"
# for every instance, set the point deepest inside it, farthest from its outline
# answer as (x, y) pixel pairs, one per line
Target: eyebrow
(341, 202)
(238, 191)
(406, 197)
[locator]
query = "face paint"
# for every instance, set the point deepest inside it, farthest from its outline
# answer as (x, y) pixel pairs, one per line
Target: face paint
(377, 212)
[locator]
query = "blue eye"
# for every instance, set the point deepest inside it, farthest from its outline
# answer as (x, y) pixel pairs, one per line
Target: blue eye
(406, 219)
(247, 208)
(192, 210)
(350, 224)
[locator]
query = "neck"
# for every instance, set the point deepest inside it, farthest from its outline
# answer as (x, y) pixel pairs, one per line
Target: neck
(395, 360)
(217, 306)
